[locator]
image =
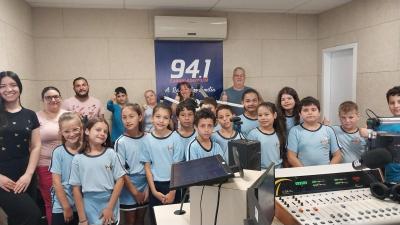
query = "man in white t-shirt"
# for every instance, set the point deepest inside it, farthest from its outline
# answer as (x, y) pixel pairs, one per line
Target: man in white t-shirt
(88, 107)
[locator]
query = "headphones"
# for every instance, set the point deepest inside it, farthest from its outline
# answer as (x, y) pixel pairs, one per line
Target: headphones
(381, 191)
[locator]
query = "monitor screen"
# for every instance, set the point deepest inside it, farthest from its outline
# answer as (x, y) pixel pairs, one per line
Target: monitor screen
(249, 153)
(203, 171)
(266, 197)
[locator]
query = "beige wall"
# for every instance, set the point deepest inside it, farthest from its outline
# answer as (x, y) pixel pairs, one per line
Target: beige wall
(115, 47)
(375, 26)
(48, 46)
(16, 45)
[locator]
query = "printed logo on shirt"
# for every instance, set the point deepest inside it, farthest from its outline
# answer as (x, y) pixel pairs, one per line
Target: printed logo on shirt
(325, 142)
(356, 140)
(170, 149)
(109, 167)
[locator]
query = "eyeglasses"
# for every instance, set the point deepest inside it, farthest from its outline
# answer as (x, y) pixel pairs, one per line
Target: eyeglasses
(51, 97)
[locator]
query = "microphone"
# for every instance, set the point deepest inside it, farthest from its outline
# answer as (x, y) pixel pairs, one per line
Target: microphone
(201, 91)
(235, 119)
(373, 159)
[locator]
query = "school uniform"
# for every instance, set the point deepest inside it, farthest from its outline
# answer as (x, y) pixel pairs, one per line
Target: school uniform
(97, 175)
(270, 147)
(313, 147)
(290, 122)
(351, 144)
(61, 162)
(186, 140)
(223, 142)
(196, 150)
(161, 153)
(130, 150)
(248, 124)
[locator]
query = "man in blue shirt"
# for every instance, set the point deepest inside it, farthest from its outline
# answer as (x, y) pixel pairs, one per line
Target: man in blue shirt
(234, 93)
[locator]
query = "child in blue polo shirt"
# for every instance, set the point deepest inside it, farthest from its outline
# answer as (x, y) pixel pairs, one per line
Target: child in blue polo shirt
(162, 149)
(71, 129)
(250, 100)
(185, 113)
(312, 143)
(97, 176)
(226, 132)
(202, 146)
(350, 136)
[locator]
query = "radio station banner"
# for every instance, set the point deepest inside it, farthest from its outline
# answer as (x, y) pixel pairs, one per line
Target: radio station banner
(196, 62)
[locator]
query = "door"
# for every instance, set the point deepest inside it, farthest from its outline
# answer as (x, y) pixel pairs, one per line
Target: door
(339, 79)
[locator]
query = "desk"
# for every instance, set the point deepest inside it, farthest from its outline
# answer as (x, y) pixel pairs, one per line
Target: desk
(165, 214)
(233, 200)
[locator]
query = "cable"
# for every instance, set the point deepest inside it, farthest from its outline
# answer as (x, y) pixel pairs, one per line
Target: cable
(201, 211)
(216, 210)
(367, 111)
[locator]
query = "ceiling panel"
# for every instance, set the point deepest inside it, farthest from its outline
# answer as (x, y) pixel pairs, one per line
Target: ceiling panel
(318, 6)
(77, 3)
(281, 6)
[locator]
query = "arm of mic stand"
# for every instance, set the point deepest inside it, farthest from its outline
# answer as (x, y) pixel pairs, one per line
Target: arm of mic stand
(180, 211)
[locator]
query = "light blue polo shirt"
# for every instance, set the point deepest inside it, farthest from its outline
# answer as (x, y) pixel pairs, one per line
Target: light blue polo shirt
(351, 144)
(313, 147)
(270, 147)
(223, 142)
(161, 153)
(197, 151)
(61, 162)
(248, 124)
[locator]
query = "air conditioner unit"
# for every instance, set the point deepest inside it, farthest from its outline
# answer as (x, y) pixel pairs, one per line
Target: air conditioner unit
(190, 28)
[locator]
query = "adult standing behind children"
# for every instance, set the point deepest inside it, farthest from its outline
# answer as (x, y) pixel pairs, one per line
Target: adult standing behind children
(86, 106)
(50, 138)
(19, 155)
(151, 102)
(234, 93)
(312, 143)
(115, 105)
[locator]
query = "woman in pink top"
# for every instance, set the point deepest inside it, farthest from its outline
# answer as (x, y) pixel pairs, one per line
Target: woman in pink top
(50, 138)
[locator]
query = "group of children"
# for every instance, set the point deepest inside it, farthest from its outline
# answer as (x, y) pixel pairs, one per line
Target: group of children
(93, 182)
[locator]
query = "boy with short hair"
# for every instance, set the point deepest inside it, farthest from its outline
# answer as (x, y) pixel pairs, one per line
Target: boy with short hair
(114, 105)
(349, 135)
(202, 146)
(226, 132)
(312, 143)
(185, 113)
(392, 170)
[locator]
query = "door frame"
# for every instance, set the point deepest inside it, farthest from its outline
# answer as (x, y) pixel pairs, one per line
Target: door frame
(326, 75)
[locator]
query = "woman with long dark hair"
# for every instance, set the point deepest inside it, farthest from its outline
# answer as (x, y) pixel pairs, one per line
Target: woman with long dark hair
(19, 153)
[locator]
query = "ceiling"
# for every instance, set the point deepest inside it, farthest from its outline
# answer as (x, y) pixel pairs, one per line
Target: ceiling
(276, 6)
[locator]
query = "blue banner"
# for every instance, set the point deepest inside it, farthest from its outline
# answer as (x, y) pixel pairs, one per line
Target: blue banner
(196, 62)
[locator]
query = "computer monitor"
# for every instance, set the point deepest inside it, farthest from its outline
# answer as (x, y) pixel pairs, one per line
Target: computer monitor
(249, 152)
(261, 199)
(203, 171)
